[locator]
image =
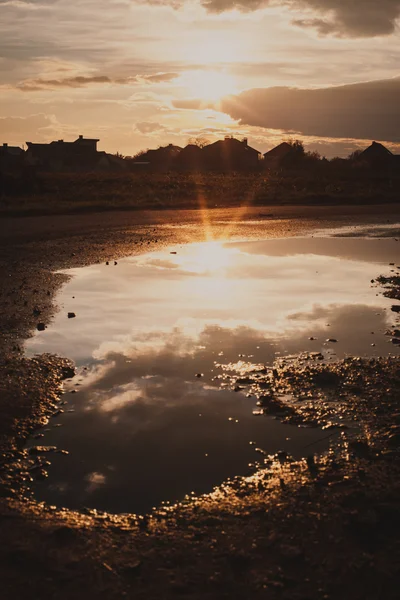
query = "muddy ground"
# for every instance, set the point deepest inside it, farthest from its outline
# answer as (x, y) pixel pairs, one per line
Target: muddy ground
(325, 527)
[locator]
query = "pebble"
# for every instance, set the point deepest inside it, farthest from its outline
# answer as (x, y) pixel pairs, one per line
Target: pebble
(42, 449)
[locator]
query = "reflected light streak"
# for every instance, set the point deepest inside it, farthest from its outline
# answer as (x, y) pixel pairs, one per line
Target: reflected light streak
(238, 213)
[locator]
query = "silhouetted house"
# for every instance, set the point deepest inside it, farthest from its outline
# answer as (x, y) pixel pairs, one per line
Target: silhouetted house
(109, 162)
(161, 159)
(275, 158)
(230, 154)
(190, 158)
(62, 156)
(377, 155)
(11, 157)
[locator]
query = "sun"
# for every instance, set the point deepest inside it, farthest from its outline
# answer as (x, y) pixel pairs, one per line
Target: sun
(208, 85)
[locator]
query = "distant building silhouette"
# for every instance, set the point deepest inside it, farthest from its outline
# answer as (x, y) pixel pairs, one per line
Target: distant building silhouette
(160, 159)
(10, 157)
(377, 155)
(273, 159)
(190, 158)
(230, 154)
(61, 155)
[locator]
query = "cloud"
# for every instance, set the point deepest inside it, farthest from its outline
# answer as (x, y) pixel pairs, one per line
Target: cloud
(344, 18)
(191, 104)
(362, 111)
(149, 127)
(27, 126)
(356, 18)
(79, 81)
(159, 77)
(23, 4)
(34, 85)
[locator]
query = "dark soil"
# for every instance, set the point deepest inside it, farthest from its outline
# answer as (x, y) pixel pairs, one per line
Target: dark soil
(326, 527)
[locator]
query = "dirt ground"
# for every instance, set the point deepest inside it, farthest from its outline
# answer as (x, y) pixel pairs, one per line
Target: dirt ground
(321, 528)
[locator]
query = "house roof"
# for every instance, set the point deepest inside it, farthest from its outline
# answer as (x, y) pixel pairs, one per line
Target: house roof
(231, 143)
(83, 139)
(11, 150)
(191, 148)
(160, 153)
(376, 150)
(279, 151)
(61, 143)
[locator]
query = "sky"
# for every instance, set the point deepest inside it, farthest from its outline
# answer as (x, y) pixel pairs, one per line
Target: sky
(139, 74)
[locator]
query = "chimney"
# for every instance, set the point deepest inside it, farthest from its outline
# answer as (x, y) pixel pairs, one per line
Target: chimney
(245, 140)
(81, 137)
(60, 141)
(5, 145)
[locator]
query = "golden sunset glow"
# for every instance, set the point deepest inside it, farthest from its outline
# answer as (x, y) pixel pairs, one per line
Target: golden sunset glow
(139, 75)
(213, 256)
(208, 85)
(206, 258)
(216, 47)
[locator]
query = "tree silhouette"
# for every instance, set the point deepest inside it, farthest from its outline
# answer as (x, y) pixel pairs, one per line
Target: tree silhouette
(199, 141)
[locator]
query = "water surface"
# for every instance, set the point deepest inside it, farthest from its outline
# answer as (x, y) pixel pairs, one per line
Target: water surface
(147, 418)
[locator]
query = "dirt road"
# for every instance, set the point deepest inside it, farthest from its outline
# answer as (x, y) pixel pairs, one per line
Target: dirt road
(295, 533)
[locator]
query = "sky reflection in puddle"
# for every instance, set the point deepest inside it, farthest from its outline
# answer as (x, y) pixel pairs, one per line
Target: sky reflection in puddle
(144, 428)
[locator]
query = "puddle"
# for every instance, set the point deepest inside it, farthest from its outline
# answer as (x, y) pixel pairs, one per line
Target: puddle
(147, 419)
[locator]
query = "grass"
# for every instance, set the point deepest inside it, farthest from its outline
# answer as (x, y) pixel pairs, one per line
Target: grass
(53, 193)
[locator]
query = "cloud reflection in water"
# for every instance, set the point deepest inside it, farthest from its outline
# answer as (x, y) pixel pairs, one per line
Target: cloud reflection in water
(144, 328)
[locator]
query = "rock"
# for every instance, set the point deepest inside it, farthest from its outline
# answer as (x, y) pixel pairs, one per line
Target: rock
(40, 326)
(199, 374)
(396, 308)
(68, 372)
(41, 474)
(42, 449)
(245, 380)
(326, 379)
(332, 340)
(71, 315)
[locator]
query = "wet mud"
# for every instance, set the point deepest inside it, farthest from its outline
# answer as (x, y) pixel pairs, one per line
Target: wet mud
(323, 527)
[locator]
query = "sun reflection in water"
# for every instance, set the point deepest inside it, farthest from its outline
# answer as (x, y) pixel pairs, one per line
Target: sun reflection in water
(208, 258)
